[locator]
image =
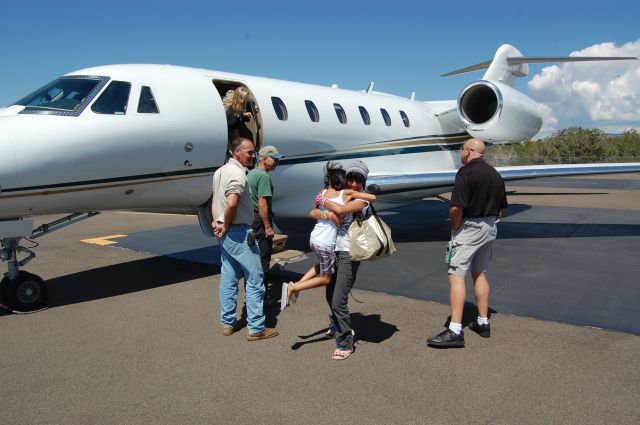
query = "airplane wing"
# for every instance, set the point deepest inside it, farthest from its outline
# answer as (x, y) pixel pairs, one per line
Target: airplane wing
(444, 180)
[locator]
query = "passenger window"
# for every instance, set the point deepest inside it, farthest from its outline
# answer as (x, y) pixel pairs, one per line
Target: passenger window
(405, 119)
(342, 115)
(386, 117)
(279, 108)
(365, 115)
(113, 99)
(312, 110)
(147, 104)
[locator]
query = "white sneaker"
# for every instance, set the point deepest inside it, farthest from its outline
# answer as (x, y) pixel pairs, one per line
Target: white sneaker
(283, 296)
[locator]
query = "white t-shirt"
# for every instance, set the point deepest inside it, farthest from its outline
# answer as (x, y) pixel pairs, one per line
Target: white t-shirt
(324, 232)
(342, 236)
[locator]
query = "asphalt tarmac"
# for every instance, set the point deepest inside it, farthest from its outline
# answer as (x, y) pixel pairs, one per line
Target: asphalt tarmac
(131, 335)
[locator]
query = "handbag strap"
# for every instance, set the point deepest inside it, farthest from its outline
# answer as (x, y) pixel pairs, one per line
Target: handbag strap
(384, 245)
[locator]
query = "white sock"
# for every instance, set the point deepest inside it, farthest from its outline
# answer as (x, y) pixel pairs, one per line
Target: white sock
(456, 328)
(483, 320)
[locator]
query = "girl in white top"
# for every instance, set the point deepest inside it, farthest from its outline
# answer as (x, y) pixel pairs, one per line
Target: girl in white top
(323, 236)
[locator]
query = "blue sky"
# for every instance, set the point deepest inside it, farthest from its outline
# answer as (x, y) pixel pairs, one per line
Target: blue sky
(401, 46)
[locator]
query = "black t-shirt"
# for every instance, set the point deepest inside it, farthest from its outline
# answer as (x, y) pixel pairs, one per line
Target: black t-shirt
(479, 190)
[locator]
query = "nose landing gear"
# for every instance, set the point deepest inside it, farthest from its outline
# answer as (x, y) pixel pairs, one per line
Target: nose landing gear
(20, 290)
(27, 292)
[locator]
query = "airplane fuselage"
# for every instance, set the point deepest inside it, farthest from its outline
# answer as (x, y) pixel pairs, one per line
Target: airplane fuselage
(55, 162)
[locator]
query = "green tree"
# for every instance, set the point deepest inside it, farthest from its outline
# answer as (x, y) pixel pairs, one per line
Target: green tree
(570, 146)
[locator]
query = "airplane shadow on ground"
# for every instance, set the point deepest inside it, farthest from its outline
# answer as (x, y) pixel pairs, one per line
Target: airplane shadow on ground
(429, 221)
(123, 278)
(421, 222)
(369, 328)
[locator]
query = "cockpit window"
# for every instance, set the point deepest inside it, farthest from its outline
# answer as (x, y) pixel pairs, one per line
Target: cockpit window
(114, 99)
(64, 96)
(147, 104)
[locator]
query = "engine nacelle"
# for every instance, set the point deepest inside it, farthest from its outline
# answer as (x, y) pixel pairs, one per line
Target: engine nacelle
(497, 113)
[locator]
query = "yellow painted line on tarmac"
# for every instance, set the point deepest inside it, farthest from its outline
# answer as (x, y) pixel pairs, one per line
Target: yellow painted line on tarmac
(105, 240)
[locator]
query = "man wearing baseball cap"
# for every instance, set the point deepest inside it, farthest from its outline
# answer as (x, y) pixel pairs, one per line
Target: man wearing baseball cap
(262, 193)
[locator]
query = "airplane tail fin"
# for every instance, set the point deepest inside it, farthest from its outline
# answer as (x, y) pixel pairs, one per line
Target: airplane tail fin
(509, 64)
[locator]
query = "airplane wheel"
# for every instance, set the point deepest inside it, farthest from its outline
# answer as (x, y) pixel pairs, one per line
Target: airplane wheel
(3, 290)
(27, 292)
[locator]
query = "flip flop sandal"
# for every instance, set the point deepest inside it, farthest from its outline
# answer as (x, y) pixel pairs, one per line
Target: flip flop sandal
(341, 354)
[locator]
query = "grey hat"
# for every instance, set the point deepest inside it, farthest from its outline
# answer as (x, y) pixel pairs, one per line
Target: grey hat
(359, 167)
(271, 151)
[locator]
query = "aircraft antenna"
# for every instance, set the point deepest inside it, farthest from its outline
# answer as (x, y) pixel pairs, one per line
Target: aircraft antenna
(413, 95)
(370, 87)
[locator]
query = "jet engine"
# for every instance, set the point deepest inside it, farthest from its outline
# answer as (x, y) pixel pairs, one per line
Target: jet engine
(497, 113)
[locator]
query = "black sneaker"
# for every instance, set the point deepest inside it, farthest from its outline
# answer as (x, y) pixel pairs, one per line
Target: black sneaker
(447, 339)
(482, 330)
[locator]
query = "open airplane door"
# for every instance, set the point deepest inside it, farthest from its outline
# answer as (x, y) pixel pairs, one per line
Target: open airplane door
(251, 127)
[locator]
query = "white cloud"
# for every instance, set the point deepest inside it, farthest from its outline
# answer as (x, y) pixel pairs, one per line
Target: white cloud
(549, 121)
(604, 95)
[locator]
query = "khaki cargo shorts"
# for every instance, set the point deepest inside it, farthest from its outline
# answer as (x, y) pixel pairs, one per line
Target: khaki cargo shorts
(471, 245)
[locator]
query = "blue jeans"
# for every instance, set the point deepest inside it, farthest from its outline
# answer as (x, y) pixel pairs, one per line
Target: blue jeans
(240, 259)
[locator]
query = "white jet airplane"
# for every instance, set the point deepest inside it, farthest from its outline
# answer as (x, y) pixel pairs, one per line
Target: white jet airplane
(149, 138)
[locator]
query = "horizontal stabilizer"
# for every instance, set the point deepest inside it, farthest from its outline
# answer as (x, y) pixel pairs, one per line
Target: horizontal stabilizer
(542, 59)
(514, 61)
(476, 67)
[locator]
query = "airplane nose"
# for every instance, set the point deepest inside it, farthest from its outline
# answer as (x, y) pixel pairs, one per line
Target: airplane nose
(8, 164)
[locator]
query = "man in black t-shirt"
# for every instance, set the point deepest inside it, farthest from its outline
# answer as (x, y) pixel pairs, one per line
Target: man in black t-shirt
(477, 201)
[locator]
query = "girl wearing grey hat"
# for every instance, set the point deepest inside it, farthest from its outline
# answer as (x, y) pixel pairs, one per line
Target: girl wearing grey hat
(337, 293)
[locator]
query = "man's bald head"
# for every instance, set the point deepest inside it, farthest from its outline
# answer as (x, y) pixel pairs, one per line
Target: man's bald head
(476, 144)
(472, 149)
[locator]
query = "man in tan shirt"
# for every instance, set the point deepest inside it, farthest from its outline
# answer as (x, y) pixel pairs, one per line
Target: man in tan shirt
(232, 211)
